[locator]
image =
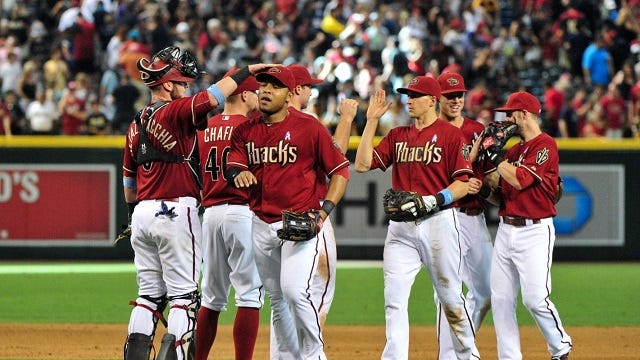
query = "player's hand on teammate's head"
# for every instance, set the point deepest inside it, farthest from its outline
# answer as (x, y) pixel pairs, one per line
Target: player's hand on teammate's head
(245, 179)
(256, 68)
(378, 105)
(348, 108)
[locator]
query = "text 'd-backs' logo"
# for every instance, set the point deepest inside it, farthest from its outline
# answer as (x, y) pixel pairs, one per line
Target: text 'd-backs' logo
(428, 153)
(283, 153)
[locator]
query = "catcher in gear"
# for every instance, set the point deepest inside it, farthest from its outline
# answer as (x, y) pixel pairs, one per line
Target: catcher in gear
(495, 137)
(407, 205)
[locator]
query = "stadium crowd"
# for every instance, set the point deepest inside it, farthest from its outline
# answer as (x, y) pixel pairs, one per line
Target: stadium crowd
(68, 67)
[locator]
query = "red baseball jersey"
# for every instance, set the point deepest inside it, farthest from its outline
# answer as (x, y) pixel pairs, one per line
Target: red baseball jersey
(537, 163)
(215, 144)
(285, 157)
(70, 123)
(471, 130)
(425, 161)
(171, 129)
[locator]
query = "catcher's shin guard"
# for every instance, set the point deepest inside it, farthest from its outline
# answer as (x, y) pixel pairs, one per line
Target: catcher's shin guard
(138, 347)
(190, 303)
(168, 350)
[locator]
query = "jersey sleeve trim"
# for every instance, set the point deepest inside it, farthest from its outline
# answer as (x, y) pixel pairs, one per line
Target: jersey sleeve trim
(340, 166)
(237, 164)
(378, 159)
(533, 173)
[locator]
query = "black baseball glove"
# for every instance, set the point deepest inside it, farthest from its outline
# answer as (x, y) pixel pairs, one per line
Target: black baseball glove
(299, 226)
(406, 205)
(495, 137)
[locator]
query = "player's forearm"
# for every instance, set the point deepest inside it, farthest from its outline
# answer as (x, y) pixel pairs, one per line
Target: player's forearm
(337, 187)
(508, 174)
(459, 189)
(342, 133)
(130, 194)
(364, 154)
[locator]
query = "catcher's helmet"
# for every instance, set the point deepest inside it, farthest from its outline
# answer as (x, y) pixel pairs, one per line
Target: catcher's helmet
(168, 64)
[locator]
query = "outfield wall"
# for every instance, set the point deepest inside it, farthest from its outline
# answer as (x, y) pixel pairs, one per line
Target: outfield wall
(61, 198)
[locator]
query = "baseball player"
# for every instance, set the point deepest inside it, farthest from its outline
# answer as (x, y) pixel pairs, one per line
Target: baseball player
(523, 248)
(161, 187)
(475, 240)
(427, 157)
(278, 157)
(323, 284)
(226, 228)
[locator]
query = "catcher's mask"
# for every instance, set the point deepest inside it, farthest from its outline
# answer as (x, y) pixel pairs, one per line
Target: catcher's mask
(169, 64)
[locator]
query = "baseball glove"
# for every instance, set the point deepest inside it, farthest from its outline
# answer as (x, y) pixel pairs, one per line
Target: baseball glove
(495, 137)
(559, 190)
(299, 226)
(405, 206)
(125, 234)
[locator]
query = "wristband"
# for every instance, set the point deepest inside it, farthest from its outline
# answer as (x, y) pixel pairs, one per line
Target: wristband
(129, 183)
(444, 197)
(241, 75)
(231, 174)
(328, 206)
(485, 191)
(214, 90)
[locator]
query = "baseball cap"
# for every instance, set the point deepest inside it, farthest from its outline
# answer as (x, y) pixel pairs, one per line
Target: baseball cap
(424, 85)
(281, 74)
(249, 84)
(521, 100)
(451, 82)
(302, 75)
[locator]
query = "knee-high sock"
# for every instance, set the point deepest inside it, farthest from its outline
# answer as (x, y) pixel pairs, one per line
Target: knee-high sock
(245, 332)
(206, 331)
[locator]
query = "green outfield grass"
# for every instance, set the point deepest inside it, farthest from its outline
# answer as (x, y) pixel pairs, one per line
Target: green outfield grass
(588, 294)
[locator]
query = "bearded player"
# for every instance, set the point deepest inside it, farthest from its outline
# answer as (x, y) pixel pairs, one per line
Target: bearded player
(428, 157)
(278, 157)
(475, 240)
(161, 187)
(226, 230)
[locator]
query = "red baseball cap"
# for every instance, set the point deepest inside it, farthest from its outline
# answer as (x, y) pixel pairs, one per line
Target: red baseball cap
(425, 85)
(302, 75)
(451, 82)
(249, 84)
(521, 100)
(280, 74)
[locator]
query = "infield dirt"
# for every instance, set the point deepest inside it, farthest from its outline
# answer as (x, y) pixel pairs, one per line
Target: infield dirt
(343, 342)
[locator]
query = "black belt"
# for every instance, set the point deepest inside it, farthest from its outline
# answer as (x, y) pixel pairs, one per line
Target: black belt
(471, 211)
(519, 221)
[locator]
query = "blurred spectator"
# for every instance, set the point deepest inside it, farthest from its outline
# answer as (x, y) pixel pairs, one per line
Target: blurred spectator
(614, 111)
(597, 65)
(132, 50)
(73, 110)
(56, 73)
(82, 48)
(554, 102)
(114, 45)
(9, 46)
(5, 119)
(208, 40)
(125, 97)
(10, 72)
(16, 111)
(42, 114)
(38, 45)
(29, 82)
(97, 123)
